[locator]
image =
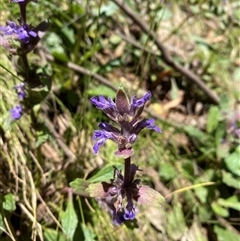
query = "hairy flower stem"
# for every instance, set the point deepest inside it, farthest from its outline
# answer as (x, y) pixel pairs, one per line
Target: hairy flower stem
(25, 63)
(22, 7)
(127, 171)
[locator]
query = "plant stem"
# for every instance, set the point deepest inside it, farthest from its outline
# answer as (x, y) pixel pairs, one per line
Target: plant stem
(127, 171)
(23, 11)
(25, 63)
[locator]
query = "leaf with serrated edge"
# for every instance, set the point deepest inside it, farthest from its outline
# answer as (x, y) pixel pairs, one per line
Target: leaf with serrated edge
(98, 190)
(69, 220)
(149, 196)
(79, 186)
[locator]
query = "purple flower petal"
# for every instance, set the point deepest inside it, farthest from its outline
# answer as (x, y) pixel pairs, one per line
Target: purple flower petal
(132, 138)
(97, 145)
(145, 123)
(129, 215)
(149, 125)
(16, 112)
(140, 102)
(101, 103)
(23, 32)
(102, 135)
(105, 126)
(20, 89)
(118, 218)
(10, 28)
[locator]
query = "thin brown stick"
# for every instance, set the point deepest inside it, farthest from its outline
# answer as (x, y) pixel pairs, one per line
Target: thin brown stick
(82, 70)
(165, 55)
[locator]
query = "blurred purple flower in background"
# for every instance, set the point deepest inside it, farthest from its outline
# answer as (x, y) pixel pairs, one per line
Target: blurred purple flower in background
(20, 89)
(16, 112)
(233, 123)
(24, 32)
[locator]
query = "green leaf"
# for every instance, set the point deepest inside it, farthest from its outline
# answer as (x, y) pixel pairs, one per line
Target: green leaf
(233, 164)
(197, 135)
(224, 102)
(68, 34)
(42, 137)
(174, 93)
(79, 185)
(102, 90)
(213, 118)
(105, 174)
(219, 210)
(176, 225)
(53, 235)
(37, 94)
(163, 14)
(88, 234)
(69, 220)
(9, 202)
(230, 180)
(202, 194)
(224, 234)
(222, 149)
(149, 196)
(187, 169)
(98, 189)
(232, 202)
(108, 9)
(195, 232)
(115, 39)
(167, 171)
(204, 213)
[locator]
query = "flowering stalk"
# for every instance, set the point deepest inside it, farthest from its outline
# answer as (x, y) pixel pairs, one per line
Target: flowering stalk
(123, 190)
(20, 39)
(127, 171)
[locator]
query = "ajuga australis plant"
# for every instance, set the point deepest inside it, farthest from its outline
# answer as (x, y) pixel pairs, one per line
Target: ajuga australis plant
(123, 191)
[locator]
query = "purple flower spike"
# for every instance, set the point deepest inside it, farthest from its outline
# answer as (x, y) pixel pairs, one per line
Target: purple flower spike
(20, 89)
(16, 112)
(126, 114)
